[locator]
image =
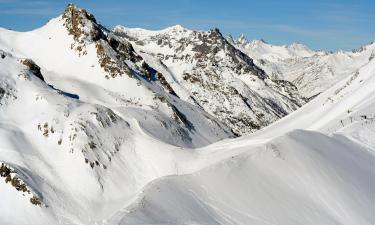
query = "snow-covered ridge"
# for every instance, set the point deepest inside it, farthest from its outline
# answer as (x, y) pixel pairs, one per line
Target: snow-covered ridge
(261, 49)
(311, 71)
(139, 32)
(115, 54)
(71, 151)
(215, 75)
(100, 68)
(324, 175)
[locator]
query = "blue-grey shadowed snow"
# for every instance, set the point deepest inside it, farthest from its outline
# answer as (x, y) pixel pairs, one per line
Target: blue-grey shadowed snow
(67, 94)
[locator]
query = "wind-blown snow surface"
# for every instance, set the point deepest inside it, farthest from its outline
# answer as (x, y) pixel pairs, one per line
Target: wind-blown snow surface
(299, 178)
(125, 150)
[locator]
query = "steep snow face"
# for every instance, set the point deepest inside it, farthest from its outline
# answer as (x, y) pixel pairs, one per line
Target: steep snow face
(68, 161)
(79, 56)
(206, 70)
(311, 71)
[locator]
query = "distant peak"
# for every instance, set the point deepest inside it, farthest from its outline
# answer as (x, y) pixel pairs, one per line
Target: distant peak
(215, 30)
(177, 27)
(230, 39)
(364, 47)
(72, 11)
(242, 39)
(258, 42)
(71, 5)
(298, 46)
(295, 44)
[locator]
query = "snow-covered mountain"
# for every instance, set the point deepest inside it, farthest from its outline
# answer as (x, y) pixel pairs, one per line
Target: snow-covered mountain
(206, 70)
(260, 49)
(79, 56)
(127, 127)
(323, 174)
(200, 68)
(311, 71)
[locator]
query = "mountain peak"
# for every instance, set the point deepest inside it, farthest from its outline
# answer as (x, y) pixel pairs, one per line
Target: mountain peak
(258, 42)
(216, 31)
(230, 39)
(242, 39)
(73, 10)
(298, 47)
(81, 24)
(177, 28)
(364, 47)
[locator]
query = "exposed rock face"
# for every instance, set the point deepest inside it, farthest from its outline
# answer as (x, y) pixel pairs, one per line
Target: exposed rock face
(117, 57)
(10, 175)
(372, 56)
(111, 53)
(7, 93)
(34, 68)
(82, 25)
(218, 77)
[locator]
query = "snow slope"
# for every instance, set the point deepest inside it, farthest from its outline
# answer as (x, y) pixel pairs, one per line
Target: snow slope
(281, 175)
(299, 178)
(81, 161)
